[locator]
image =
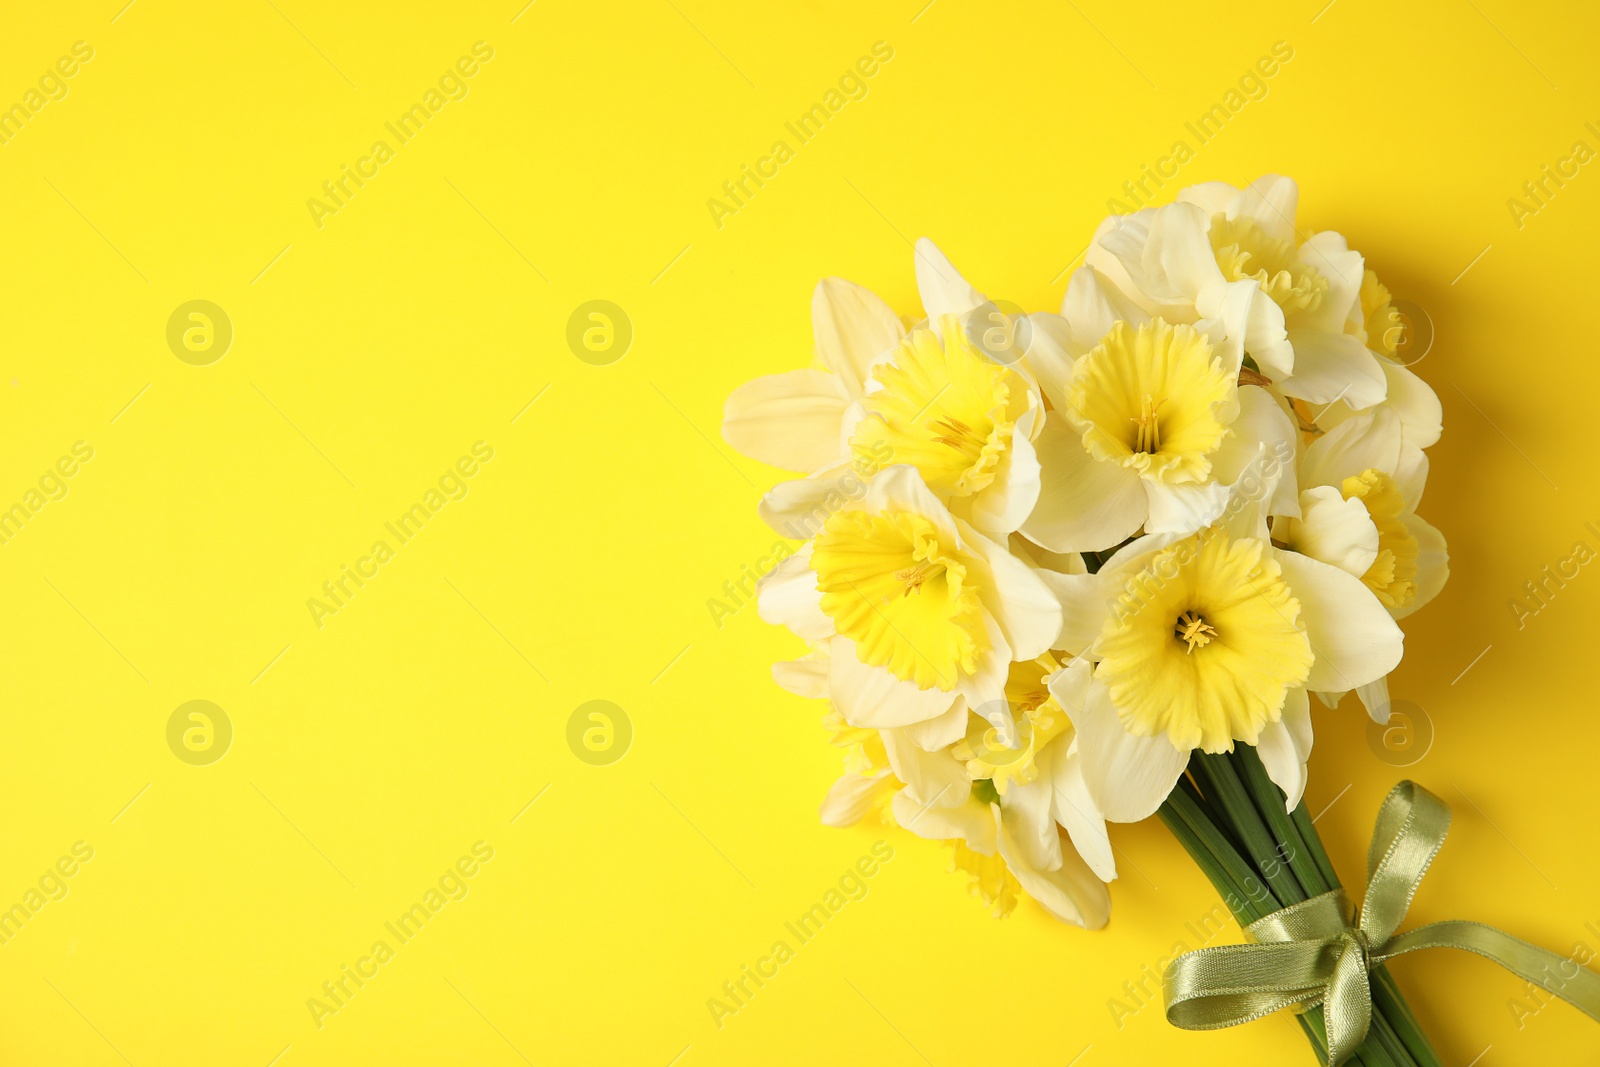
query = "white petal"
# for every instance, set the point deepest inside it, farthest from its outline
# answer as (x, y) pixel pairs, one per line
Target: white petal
(1284, 746)
(1049, 355)
(798, 508)
(1366, 441)
(1248, 319)
(1046, 560)
(1071, 892)
(1092, 305)
(806, 677)
(1226, 310)
(872, 697)
(1117, 252)
(1214, 198)
(1129, 250)
(1353, 639)
(944, 291)
(853, 327)
(1421, 416)
(1084, 504)
(1075, 810)
(935, 778)
(1085, 603)
(1025, 607)
(1266, 338)
(1433, 563)
(1333, 366)
(1271, 201)
(1070, 686)
(1183, 508)
(1179, 250)
(1030, 819)
(901, 488)
(787, 420)
(1374, 697)
(1127, 776)
(852, 796)
(1335, 530)
(942, 730)
(972, 822)
(788, 596)
(1411, 474)
(1261, 423)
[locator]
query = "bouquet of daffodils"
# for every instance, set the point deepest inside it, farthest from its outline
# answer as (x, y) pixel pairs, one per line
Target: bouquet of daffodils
(1065, 569)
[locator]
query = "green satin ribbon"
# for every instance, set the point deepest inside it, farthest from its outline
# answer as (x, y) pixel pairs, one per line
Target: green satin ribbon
(1312, 952)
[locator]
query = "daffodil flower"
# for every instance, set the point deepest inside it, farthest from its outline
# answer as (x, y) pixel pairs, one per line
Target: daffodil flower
(1013, 840)
(1375, 320)
(1179, 261)
(1205, 639)
(1150, 425)
(1014, 810)
(1358, 512)
(934, 399)
(917, 608)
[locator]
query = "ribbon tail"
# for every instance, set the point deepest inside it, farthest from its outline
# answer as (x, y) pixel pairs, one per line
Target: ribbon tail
(1348, 1006)
(1574, 984)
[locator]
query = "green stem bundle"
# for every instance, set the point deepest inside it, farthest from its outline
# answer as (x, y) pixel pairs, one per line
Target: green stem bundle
(1229, 815)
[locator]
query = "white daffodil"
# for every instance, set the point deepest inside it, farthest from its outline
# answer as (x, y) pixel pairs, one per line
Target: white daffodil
(1202, 640)
(1380, 326)
(1180, 260)
(1008, 841)
(1000, 798)
(1152, 427)
(934, 399)
(1358, 512)
(918, 610)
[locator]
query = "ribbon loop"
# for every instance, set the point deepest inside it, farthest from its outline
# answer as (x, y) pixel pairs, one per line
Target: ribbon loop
(1411, 828)
(1316, 952)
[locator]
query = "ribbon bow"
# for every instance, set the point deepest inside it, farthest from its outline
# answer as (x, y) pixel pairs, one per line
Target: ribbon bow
(1312, 952)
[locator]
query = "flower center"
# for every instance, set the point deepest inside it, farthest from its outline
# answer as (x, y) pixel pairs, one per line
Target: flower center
(1393, 575)
(1244, 250)
(914, 576)
(868, 568)
(944, 408)
(961, 437)
(1193, 630)
(1148, 435)
(1146, 397)
(1227, 598)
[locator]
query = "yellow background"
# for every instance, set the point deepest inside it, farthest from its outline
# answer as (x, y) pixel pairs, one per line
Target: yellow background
(370, 753)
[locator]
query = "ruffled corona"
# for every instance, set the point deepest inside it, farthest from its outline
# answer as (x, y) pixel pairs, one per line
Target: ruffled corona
(944, 408)
(1204, 643)
(1384, 327)
(1037, 719)
(903, 597)
(1244, 250)
(1393, 575)
(1147, 397)
(988, 878)
(864, 754)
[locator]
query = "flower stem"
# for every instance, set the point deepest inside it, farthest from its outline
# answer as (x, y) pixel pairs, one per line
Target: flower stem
(1232, 820)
